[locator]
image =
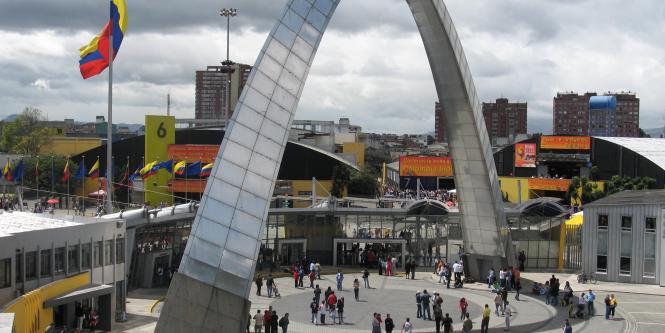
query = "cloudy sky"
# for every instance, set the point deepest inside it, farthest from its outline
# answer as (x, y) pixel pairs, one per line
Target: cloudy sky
(371, 66)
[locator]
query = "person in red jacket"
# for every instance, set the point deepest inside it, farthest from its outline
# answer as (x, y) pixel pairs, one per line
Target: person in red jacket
(295, 278)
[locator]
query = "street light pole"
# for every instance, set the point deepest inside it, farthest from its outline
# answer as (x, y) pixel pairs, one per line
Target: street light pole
(228, 64)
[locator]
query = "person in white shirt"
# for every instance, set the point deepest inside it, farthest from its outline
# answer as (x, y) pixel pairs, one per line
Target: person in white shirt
(407, 327)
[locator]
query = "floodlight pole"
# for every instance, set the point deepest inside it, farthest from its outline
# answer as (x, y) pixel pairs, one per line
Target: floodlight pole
(228, 64)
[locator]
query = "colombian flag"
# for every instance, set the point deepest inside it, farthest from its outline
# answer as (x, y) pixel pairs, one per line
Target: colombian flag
(94, 171)
(95, 55)
(145, 172)
(180, 167)
(205, 171)
(7, 171)
(66, 173)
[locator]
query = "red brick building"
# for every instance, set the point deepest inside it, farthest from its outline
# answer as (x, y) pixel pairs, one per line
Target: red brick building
(571, 114)
(505, 119)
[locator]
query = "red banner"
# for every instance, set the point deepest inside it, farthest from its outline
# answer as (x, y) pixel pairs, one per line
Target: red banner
(565, 142)
(525, 155)
(425, 166)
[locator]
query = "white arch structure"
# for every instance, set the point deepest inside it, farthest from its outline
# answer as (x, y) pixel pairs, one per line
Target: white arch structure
(209, 293)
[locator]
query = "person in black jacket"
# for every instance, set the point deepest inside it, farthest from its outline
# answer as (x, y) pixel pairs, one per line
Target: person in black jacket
(340, 310)
(388, 322)
(274, 321)
(284, 322)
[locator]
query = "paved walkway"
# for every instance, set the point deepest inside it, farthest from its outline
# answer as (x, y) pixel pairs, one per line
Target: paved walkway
(396, 295)
(613, 287)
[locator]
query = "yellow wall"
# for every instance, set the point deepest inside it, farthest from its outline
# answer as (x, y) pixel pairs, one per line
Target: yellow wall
(68, 146)
(159, 134)
(357, 149)
(323, 187)
(30, 315)
(512, 186)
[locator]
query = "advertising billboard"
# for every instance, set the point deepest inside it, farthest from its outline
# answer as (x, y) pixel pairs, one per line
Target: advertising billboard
(565, 142)
(549, 184)
(525, 155)
(425, 166)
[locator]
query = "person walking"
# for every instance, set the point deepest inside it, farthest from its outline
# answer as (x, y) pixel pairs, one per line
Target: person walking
(590, 298)
(438, 316)
(340, 310)
(518, 287)
(376, 323)
(498, 304)
(301, 275)
(407, 327)
(485, 323)
(613, 305)
(295, 278)
(425, 299)
(312, 277)
(607, 306)
(314, 307)
(566, 327)
(258, 322)
(322, 312)
(317, 294)
(274, 322)
(389, 267)
(490, 277)
(447, 324)
(356, 289)
(284, 322)
(521, 258)
(419, 304)
(266, 321)
(407, 269)
(340, 279)
(504, 299)
(366, 278)
(413, 269)
(259, 284)
(389, 324)
(467, 326)
(463, 305)
(317, 267)
(509, 313)
(270, 282)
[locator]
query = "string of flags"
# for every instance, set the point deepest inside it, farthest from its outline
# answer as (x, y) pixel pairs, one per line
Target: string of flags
(14, 172)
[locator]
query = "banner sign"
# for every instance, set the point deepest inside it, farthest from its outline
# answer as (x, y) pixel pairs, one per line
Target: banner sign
(547, 184)
(425, 166)
(525, 155)
(565, 142)
(193, 153)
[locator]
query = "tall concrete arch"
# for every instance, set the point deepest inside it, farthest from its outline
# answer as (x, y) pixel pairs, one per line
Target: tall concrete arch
(209, 293)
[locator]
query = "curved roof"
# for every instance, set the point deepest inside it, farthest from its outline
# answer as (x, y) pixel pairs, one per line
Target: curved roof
(650, 148)
(427, 207)
(325, 152)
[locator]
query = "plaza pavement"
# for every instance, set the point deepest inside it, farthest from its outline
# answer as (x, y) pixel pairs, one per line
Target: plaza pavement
(641, 307)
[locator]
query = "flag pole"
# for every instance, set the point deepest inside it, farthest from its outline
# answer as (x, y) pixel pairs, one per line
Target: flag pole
(128, 169)
(186, 181)
(37, 178)
(109, 124)
(68, 176)
(83, 189)
(172, 180)
(52, 180)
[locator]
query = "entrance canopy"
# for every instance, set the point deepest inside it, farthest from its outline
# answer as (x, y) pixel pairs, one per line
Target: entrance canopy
(79, 295)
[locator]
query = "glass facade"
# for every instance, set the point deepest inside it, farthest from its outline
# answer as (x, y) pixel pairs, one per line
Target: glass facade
(73, 259)
(650, 247)
(5, 273)
(46, 262)
(59, 265)
(626, 244)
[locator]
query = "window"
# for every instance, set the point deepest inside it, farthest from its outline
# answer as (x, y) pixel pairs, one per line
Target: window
(120, 250)
(108, 253)
(626, 245)
(85, 256)
(99, 254)
(59, 265)
(650, 247)
(603, 221)
(5, 273)
(73, 259)
(45, 263)
(19, 267)
(601, 247)
(31, 265)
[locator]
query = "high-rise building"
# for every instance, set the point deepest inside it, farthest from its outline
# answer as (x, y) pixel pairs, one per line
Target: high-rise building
(505, 119)
(572, 116)
(439, 129)
(211, 93)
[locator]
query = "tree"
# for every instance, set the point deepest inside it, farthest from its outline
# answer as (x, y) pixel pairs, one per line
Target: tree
(341, 176)
(26, 134)
(363, 182)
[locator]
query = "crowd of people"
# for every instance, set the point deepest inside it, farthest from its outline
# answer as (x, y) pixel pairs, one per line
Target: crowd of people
(579, 306)
(448, 197)
(268, 321)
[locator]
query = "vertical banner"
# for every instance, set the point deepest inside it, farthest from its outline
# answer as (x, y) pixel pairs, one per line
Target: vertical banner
(159, 134)
(525, 155)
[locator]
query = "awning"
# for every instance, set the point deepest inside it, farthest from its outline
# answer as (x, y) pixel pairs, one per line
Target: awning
(79, 295)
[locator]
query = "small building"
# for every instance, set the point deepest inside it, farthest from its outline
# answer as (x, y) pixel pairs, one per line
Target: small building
(620, 237)
(37, 251)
